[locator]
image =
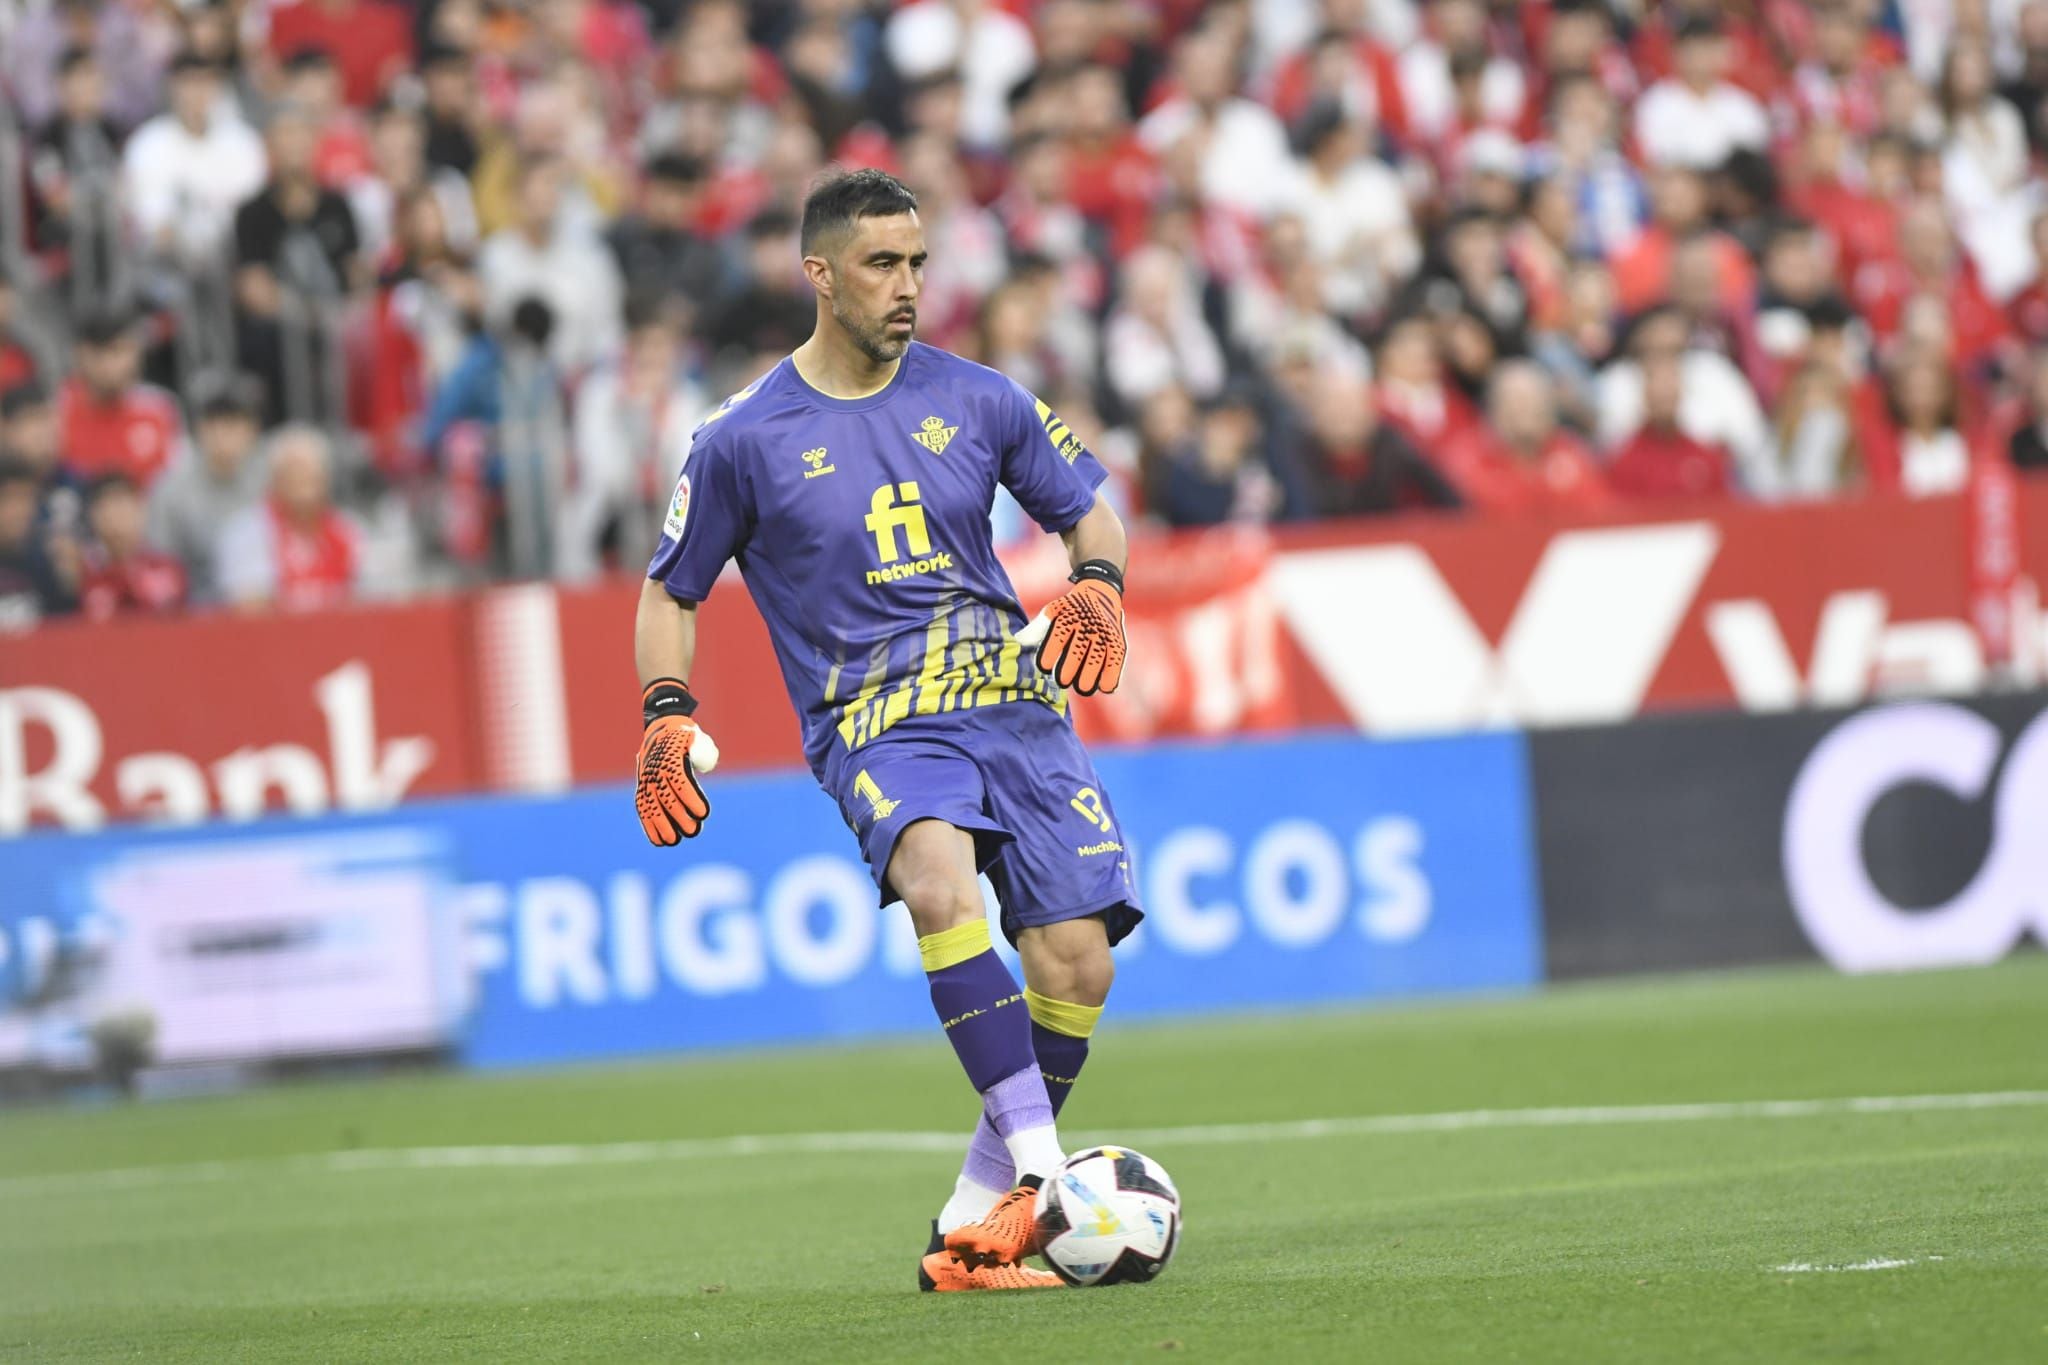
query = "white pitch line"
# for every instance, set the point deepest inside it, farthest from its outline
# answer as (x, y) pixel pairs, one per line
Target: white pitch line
(1875, 1263)
(947, 1143)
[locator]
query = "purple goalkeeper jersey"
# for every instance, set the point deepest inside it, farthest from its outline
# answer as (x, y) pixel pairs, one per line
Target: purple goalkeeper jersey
(861, 526)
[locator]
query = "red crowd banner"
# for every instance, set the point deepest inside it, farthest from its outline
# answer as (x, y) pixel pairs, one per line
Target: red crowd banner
(1423, 625)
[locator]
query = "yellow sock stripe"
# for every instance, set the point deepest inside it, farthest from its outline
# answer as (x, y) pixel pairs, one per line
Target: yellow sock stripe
(955, 945)
(1062, 1016)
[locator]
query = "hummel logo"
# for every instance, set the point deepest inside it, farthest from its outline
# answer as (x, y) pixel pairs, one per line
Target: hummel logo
(816, 460)
(936, 435)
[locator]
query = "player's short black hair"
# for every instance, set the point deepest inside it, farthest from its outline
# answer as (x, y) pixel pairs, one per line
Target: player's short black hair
(837, 202)
(191, 63)
(75, 56)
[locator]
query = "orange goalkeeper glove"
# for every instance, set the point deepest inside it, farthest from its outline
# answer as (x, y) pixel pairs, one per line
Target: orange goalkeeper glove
(672, 752)
(1080, 633)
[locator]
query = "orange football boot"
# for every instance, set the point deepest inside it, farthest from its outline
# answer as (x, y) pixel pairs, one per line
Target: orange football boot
(1007, 1235)
(941, 1272)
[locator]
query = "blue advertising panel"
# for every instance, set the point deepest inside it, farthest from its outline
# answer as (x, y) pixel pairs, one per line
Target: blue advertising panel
(1275, 873)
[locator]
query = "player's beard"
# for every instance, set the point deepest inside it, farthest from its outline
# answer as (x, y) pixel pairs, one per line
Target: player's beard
(872, 339)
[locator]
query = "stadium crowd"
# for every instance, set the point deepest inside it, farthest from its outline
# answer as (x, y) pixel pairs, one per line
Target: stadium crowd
(302, 300)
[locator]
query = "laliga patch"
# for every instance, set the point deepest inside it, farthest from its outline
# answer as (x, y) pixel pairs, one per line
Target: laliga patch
(678, 510)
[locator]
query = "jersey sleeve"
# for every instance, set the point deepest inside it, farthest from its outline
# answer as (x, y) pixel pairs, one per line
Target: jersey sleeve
(708, 521)
(1045, 466)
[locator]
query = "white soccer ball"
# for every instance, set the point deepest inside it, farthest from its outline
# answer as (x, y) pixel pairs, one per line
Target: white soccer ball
(1109, 1215)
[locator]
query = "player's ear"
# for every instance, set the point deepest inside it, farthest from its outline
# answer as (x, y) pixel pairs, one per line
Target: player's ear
(818, 271)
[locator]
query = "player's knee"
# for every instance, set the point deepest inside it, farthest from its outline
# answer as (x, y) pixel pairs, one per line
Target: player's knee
(1094, 974)
(940, 903)
(1079, 973)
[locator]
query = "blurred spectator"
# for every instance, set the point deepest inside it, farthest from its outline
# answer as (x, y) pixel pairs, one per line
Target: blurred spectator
(1239, 144)
(418, 325)
(1660, 460)
(1219, 475)
(1819, 452)
(633, 417)
(1410, 391)
(450, 109)
(1852, 205)
(1525, 461)
(1696, 116)
(554, 123)
(1825, 219)
(341, 137)
(662, 252)
(1454, 37)
(1642, 269)
(130, 43)
(1928, 265)
(1157, 335)
(499, 430)
(214, 480)
(1471, 276)
(1840, 79)
(109, 420)
(187, 170)
(773, 311)
(2027, 89)
(1359, 464)
(967, 252)
(292, 550)
(74, 173)
(398, 169)
(297, 256)
(29, 437)
(1986, 170)
(1584, 154)
(32, 586)
(369, 42)
(17, 362)
(122, 573)
(1354, 211)
(1581, 342)
(991, 48)
(1012, 337)
(1926, 453)
(1715, 408)
(2029, 444)
(541, 257)
(1113, 179)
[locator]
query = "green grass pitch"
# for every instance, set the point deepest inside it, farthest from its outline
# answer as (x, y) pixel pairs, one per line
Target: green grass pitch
(227, 1229)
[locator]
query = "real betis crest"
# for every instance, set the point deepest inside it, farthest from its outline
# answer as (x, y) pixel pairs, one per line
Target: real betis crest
(935, 436)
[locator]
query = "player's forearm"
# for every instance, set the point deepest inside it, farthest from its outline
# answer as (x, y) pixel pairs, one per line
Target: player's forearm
(664, 635)
(1097, 535)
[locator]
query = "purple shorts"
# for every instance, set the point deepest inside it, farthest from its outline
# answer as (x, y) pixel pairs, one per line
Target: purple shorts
(1016, 778)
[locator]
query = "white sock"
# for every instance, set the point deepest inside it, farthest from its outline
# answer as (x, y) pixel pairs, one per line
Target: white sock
(1035, 1151)
(970, 1203)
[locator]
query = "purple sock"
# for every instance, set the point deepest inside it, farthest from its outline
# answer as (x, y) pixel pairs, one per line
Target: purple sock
(983, 1014)
(1060, 1057)
(1017, 1102)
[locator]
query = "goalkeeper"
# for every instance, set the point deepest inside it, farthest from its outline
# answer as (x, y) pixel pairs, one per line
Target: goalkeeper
(853, 484)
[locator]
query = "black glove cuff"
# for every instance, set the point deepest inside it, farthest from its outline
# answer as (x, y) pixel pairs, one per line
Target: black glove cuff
(1099, 569)
(665, 697)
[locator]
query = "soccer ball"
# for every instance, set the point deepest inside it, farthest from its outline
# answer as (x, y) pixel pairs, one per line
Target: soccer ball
(1108, 1215)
